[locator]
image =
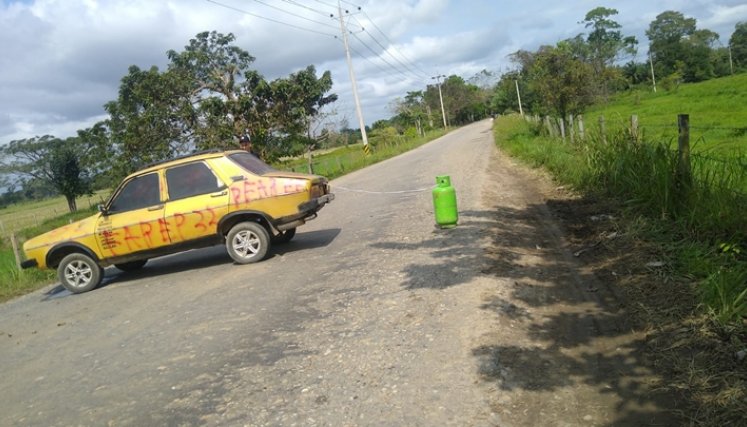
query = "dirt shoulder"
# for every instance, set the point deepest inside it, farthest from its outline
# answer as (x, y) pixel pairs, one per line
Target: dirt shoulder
(605, 317)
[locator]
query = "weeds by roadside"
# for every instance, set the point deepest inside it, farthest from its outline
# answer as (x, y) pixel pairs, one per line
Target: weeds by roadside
(693, 298)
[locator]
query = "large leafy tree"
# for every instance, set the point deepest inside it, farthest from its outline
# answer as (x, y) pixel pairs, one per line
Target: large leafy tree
(210, 97)
(150, 120)
(52, 162)
(677, 46)
(738, 45)
(606, 41)
(561, 81)
(220, 86)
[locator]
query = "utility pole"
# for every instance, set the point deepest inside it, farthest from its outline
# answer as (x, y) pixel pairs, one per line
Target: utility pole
(731, 64)
(521, 111)
(440, 97)
(362, 124)
(651, 61)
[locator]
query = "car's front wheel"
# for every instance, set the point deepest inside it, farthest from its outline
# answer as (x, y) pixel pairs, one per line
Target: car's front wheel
(247, 242)
(79, 273)
(132, 265)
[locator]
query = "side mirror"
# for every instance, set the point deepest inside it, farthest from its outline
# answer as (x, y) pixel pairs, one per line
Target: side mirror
(103, 209)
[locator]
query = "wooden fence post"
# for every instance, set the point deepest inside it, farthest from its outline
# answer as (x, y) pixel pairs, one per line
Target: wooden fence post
(571, 129)
(634, 128)
(581, 127)
(14, 243)
(562, 128)
(602, 130)
(683, 150)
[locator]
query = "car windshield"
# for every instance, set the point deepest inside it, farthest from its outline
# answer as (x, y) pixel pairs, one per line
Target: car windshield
(251, 163)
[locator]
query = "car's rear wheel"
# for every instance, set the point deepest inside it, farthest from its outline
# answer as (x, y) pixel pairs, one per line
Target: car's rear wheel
(284, 236)
(132, 265)
(247, 242)
(79, 273)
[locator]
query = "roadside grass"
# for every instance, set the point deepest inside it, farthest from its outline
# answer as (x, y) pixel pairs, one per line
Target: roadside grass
(33, 218)
(333, 164)
(698, 227)
(14, 282)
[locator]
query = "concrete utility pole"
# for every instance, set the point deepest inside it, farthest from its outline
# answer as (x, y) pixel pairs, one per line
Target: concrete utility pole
(731, 64)
(651, 61)
(440, 97)
(521, 111)
(362, 124)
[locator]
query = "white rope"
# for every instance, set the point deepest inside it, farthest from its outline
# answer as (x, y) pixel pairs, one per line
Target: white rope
(419, 190)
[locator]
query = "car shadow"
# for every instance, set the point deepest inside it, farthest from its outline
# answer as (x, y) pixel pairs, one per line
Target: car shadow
(196, 259)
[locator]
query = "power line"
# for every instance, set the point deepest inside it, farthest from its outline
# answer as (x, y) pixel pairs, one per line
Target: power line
(295, 3)
(377, 55)
(269, 19)
(393, 44)
(416, 74)
(295, 14)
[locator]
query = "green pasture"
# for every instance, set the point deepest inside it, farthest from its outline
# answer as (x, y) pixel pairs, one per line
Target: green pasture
(717, 109)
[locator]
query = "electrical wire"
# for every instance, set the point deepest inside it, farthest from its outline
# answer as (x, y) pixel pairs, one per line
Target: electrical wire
(269, 19)
(295, 14)
(385, 50)
(393, 44)
(295, 3)
(377, 55)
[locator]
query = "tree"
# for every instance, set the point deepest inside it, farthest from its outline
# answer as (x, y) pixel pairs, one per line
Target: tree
(738, 45)
(150, 120)
(561, 81)
(50, 161)
(221, 85)
(411, 109)
(605, 41)
(678, 46)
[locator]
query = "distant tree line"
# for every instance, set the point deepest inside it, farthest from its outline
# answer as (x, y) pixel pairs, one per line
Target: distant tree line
(207, 97)
(567, 77)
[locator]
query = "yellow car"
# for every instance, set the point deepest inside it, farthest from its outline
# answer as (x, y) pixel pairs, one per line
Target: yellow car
(204, 199)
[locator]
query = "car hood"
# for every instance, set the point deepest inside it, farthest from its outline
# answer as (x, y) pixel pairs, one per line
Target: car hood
(65, 233)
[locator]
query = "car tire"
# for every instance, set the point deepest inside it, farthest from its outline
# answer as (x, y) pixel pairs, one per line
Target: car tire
(284, 236)
(247, 242)
(79, 273)
(132, 265)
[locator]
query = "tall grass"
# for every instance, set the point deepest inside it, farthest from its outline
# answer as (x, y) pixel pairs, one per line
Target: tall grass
(14, 282)
(708, 209)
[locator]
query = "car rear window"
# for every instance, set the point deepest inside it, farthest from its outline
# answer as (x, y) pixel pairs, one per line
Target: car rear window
(251, 163)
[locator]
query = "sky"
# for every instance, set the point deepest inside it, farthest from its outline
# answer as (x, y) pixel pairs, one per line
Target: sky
(62, 60)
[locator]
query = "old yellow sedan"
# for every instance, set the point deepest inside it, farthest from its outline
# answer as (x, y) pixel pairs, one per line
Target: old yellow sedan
(217, 197)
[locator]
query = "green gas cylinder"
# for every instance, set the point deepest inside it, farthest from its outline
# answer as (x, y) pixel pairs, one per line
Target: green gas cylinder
(444, 202)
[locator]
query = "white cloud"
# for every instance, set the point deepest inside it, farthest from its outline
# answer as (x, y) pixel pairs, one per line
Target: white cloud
(63, 59)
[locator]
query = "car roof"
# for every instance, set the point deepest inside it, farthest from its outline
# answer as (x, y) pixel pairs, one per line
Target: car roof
(202, 155)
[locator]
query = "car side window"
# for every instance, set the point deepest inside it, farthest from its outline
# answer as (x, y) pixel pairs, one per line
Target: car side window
(191, 180)
(139, 192)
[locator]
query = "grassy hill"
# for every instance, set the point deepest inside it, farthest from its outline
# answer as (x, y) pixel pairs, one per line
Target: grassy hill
(717, 109)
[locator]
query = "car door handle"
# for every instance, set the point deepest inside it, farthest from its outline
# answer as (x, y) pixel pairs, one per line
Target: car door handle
(155, 208)
(222, 193)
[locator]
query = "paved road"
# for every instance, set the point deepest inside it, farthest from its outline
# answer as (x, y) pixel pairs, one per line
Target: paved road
(370, 316)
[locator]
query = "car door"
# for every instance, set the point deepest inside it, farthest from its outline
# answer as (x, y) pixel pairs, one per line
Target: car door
(197, 199)
(133, 221)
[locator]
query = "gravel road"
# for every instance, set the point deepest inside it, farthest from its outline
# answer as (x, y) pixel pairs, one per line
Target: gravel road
(371, 316)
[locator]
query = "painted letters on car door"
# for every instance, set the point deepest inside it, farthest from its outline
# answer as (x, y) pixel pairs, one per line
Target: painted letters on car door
(197, 200)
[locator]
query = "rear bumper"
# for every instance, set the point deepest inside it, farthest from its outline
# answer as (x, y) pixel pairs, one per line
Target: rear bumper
(314, 205)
